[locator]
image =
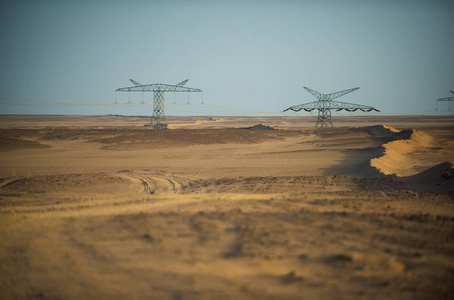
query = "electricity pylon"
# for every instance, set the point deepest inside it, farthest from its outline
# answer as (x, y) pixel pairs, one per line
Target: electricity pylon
(325, 104)
(446, 99)
(158, 89)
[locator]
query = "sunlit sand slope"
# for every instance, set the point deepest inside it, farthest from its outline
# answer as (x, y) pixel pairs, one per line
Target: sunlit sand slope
(395, 159)
(406, 153)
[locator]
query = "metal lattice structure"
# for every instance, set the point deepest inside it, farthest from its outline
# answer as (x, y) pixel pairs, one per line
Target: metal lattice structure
(158, 89)
(325, 104)
(449, 99)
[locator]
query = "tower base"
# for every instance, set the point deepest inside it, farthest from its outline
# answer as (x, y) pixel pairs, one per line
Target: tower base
(160, 126)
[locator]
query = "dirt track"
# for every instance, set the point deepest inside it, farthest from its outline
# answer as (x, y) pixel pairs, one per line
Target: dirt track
(224, 213)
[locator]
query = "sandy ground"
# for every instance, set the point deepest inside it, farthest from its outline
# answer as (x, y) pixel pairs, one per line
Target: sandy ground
(106, 208)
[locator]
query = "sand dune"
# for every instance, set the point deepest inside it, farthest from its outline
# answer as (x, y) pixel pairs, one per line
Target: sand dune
(395, 158)
(112, 209)
(260, 126)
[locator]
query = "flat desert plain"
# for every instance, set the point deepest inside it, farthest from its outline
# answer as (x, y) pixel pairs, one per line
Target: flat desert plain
(104, 207)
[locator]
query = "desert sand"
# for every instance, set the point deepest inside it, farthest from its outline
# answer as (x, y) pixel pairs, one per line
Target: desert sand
(103, 207)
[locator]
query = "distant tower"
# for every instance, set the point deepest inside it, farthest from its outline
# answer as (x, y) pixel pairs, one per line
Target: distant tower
(449, 99)
(158, 89)
(325, 104)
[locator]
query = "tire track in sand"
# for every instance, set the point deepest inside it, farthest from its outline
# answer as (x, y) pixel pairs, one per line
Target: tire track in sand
(151, 183)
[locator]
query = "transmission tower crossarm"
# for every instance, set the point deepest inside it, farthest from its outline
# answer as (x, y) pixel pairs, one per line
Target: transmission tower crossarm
(158, 87)
(307, 106)
(314, 93)
(331, 105)
(446, 99)
(182, 83)
(341, 93)
(350, 106)
(329, 97)
(134, 82)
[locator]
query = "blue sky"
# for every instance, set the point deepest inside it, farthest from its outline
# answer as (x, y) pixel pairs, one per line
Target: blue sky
(247, 56)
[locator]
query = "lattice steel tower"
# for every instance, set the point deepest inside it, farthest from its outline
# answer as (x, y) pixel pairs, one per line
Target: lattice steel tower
(325, 104)
(449, 99)
(158, 89)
